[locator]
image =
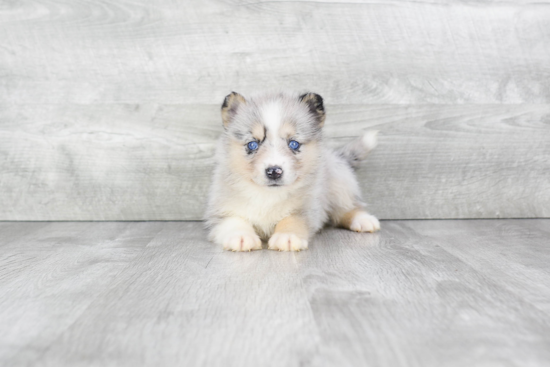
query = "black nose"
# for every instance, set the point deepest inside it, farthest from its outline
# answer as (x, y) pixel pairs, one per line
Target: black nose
(274, 172)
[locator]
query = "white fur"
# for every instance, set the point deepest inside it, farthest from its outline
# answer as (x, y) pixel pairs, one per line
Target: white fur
(272, 116)
(262, 207)
(287, 242)
(242, 209)
(370, 140)
(275, 146)
(364, 222)
(236, 234)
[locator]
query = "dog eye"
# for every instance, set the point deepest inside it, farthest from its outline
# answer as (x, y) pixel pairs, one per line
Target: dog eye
(252, 145)
(293, 144)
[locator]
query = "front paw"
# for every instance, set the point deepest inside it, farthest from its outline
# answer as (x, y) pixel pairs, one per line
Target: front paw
(242, 242)
(364, 222)
(286, 242)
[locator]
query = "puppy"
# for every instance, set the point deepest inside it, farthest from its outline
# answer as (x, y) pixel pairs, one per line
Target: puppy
(274, 178)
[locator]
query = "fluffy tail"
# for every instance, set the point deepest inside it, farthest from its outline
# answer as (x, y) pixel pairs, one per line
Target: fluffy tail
(358, 149)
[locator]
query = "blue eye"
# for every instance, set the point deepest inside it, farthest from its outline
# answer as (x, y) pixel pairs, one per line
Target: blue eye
(252, 145)
(293, 144)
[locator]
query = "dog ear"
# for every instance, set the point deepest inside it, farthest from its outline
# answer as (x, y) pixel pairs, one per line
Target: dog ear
(315, 104)
(229, 107)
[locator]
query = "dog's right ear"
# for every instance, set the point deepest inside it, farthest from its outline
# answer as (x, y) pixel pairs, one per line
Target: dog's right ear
(229, 107)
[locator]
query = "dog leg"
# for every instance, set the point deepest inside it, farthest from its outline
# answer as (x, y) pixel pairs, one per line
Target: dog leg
(359, 220)
(236, 234)
(291, 234)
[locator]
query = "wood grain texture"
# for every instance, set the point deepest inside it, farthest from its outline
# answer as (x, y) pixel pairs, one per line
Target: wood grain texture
(418, 293)
(109, 109)
(153, 162)
(503, 251)
(62, 268)
(195, 52)
(402, 291)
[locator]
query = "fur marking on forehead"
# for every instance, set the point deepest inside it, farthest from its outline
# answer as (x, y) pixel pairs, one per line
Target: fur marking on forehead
(272, 116)
(258, 132)
(287, 130)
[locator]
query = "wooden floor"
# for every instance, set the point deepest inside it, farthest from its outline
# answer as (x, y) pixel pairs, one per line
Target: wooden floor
(419, 293)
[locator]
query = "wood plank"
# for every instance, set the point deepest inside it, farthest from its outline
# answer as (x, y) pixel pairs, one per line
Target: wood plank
(537, 225)
(185, 302)
(158, 293)
(195, 52)
(512, 252)
(15, 231)
(47, 283)
(153, 162)
(397, 298)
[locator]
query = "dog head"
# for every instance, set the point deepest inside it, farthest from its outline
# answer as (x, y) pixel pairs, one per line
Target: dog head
(273, 139)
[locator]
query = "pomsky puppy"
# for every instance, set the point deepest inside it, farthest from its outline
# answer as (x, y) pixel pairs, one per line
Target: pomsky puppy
(274, 178)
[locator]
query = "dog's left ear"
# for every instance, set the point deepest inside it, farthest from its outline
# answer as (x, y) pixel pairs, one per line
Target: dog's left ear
(229, 107)
(315, 104)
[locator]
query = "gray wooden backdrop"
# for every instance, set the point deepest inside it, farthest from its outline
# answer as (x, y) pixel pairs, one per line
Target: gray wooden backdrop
(109, 108)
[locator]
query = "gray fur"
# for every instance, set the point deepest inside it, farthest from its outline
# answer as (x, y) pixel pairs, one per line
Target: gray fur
(354, 152)
(318, 184)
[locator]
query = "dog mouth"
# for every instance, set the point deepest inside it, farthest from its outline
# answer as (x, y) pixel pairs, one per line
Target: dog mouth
(274, 185)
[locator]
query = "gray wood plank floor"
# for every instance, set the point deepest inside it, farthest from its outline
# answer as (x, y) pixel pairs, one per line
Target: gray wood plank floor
(419, 293)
